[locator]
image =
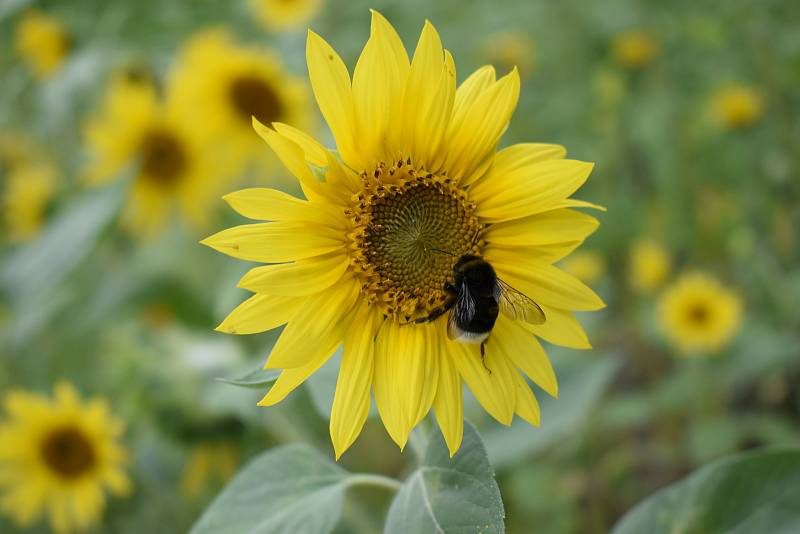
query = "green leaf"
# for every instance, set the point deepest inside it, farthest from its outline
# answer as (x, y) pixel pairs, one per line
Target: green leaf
(582, 379)
(286, 490)
(457, 495)
(258, 379)
(752, 492)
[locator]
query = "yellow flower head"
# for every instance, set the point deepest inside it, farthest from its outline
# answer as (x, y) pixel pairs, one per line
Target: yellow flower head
(366, 260)
(649, 265)
(208, 462)
(221, 86)
(57, 457)
(284, 14)
(28, 190)
(42, 43)
(699, 315)
(507, 50)
(171, 165)
(635, 49)
(737, 106)
(588, 266)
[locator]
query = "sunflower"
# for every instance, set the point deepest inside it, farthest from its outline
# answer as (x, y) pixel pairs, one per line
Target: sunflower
(369, 250)
(510, 49)
(284, 14)
(648, 266)
(57, 457)
(588, 266)
(28, 190)
(221, 85)
(42, 43)
(737, 106)
(699, 315)
(172, 166)
(634, 49)
(208, 462)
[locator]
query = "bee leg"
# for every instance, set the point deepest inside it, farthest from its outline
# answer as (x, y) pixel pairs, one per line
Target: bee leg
(435, 314)
(483, 357)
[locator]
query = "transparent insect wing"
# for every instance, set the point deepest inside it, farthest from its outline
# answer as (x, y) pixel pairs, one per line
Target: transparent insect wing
(516, 305)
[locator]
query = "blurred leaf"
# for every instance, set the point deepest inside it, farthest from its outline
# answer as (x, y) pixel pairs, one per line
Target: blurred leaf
(9, 7)
(582, 379)
(754, 492)
(457, 495)
(260, 378)
(286, 490)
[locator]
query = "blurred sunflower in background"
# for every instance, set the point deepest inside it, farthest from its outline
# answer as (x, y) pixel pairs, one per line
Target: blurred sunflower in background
(137, 130)
(29, 189)
(737, 106)
(42, 43)
(649, 266)
(699, 315)
(57, 457)
(510, 49)
(357, 262)
(284, 14)
(635, 49)
(588, 266)
(221, 85)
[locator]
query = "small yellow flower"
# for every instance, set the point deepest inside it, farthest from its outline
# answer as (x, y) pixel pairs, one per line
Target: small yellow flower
(699, 315)
(507, 50)
(28, 190)
(42, 43)
(57, 457)
(416, 180)
(284, 14)
(737, 106)
(635, 49)
(587, 266)
(172, 166)
(649, 265)
(221, 86)
(208, 462)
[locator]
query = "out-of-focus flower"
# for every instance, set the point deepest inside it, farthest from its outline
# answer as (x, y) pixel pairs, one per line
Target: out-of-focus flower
(221, 86)
(171, 166)
(27, 194)
(699, 315)
(42, 43)
(284, 14)
(507, 50)
(635, 49)
(649, 265)
(737, 106)
(208, 462)
(57, 457)
(364, 261)
(587, 266)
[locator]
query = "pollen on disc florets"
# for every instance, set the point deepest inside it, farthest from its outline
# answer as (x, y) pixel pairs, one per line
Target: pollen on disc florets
(410, 228)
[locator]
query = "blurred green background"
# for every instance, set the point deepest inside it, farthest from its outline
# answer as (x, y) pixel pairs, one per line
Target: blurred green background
(690, 111)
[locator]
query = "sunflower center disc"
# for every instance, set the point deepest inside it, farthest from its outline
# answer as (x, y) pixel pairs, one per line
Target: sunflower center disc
(163, 157)
(68, 452)
(411, 227)
(253, 97)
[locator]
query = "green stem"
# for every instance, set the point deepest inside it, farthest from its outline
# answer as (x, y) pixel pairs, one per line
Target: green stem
(367, 479)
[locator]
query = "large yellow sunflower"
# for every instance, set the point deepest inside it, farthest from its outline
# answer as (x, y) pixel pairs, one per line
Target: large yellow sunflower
(57, 458)
(220, 85)
(417, 179)
(172, 166)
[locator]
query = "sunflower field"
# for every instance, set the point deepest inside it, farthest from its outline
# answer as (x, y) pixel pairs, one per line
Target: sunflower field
(330, 266)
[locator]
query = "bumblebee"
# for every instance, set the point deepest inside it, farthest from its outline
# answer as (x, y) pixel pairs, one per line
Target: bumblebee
(474, 300)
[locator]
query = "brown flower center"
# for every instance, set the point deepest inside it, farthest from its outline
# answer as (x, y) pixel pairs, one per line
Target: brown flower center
(68, 452)
(164, 157)
(254, 97)
(698, 314)
(411, 227)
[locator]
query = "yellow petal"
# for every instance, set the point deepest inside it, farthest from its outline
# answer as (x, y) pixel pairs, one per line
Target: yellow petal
(527, 405)
(300, 278)
(448, 404)
(556, 226)
(417, 370)
(529, 190)
(259, 313)
(275, 242)
(549, 285)
(386, 385)
(560, 328)
(351, 400)
(291, 378)
(472, 144)
(265, 204)
(312, 324)
(492, 385)
(314, 152)
(521, 347)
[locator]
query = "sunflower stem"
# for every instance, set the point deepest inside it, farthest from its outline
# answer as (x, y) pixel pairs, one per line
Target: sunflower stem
(368, 479)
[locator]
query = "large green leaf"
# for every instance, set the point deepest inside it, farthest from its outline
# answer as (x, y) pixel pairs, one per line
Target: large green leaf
(289, 490)
(457, 495)
(755, 493)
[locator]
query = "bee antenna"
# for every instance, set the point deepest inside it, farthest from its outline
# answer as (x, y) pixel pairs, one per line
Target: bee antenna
(440, 251)
(475, 239)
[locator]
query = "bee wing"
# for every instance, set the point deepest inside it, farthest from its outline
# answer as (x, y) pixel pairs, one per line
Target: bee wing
(463, 312)
(516, 305)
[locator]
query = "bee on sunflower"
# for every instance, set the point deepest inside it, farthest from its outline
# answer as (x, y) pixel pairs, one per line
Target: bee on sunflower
(416, 216)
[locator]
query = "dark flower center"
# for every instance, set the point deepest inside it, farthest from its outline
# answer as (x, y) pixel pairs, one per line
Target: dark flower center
(164, 157)
(68, 452)
(254, 97)
(698, 314)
